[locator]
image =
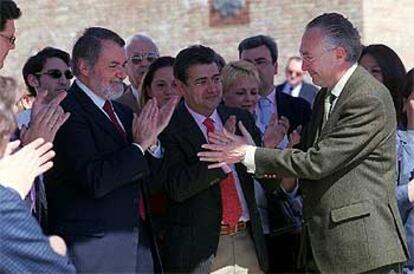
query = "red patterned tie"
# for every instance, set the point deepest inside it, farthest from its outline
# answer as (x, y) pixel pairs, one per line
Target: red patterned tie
(230, 202)
(108, 109)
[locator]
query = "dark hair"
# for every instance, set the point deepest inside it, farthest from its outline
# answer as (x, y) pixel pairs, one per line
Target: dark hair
(220, 61)
(257, 41)
(393, 72)
(36, 62)
(7, 99)
(88, 47)
(162, 62)
(339, 32)
(8, 11)
(190, 56)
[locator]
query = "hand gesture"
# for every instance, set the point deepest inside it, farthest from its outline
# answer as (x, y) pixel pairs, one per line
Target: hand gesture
(230, 124)
(18, 169)
(276, 131)
(46, 119)
(294, 137)
(166, 112)
(225, 147)
(145, 126)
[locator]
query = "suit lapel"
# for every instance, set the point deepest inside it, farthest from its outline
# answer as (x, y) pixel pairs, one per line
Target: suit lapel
(95, 113)
(346, 92)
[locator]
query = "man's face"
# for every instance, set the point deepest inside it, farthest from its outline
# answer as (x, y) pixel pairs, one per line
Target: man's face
(140, 55)
(294, 73)
(318, 59)
(262, 59)
(6, 40)
(105, 78)
(203, 90)
(53, 79)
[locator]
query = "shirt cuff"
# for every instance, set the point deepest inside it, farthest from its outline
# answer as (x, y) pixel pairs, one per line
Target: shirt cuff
(140, 148)
(248, 160)
(156, 150)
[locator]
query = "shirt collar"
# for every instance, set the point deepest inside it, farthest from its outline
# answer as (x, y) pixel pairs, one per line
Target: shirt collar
(135, 92)
(272, 96)
(97, 100)
(339, 87)
(199, 118)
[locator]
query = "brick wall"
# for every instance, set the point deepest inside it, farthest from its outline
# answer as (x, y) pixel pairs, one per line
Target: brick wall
(175, 24)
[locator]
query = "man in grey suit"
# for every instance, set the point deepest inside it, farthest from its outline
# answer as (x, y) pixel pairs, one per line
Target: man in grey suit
(346, 161)
(295, 84)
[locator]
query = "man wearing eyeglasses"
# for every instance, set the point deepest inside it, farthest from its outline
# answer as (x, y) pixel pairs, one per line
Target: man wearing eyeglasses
(47, 77)
(295, 84)
(262, 51)
(141, 51)
(24, 248)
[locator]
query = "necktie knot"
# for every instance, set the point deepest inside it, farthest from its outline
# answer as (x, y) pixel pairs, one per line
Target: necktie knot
(265, 110)
(329, 99)
(209, 124)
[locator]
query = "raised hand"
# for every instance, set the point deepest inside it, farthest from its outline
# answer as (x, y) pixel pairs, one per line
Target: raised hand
(294, 137)
(145, 126)
(166, 112)
(225, 147)
(276, 131)
(18, 169)
(230, 124)
(46, 119)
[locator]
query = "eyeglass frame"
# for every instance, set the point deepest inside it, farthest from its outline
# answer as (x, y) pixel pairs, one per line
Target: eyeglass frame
(67, 73)
(313, 59)
(142, 55)
(11, 39)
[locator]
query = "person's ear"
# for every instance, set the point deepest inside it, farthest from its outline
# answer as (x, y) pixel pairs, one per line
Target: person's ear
(275, 67)
(84, 67)
(33, 81)
(341, 53)
(180, 87)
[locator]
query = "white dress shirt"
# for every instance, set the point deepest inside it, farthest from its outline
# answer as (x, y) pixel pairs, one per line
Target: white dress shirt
(218, 125)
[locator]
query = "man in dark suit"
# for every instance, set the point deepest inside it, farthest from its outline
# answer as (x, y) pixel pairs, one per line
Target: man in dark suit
(295, 85)
(347, 159)
(95, 192)
(262, 51)
(213, 222)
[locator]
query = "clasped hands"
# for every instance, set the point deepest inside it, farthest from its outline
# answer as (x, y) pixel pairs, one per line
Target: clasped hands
(152, 121)
(225, 147)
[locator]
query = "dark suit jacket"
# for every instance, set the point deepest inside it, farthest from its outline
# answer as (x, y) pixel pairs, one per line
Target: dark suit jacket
(307, 91)
(23, 247)
(194, 211)
(94, 187)
(348, 172)
(297, 110)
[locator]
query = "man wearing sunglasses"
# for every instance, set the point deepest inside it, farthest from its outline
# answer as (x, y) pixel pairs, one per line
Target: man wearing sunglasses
(24, 248)
(141, 51)
(295, 84)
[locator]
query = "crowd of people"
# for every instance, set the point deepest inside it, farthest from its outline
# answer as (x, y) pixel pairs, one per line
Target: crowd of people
(198, 164)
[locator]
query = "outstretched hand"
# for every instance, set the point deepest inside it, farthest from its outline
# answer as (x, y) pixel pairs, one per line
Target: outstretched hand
(18, 169)
(226, 147)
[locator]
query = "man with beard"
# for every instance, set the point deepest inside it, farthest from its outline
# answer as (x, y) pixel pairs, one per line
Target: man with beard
(141, 51)
(95, 190)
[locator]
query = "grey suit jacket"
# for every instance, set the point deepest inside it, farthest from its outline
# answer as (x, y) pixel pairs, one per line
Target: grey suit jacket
(128, 99)
(348, 171)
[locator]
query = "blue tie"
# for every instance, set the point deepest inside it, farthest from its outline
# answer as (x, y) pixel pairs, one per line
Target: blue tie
(265, 110)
